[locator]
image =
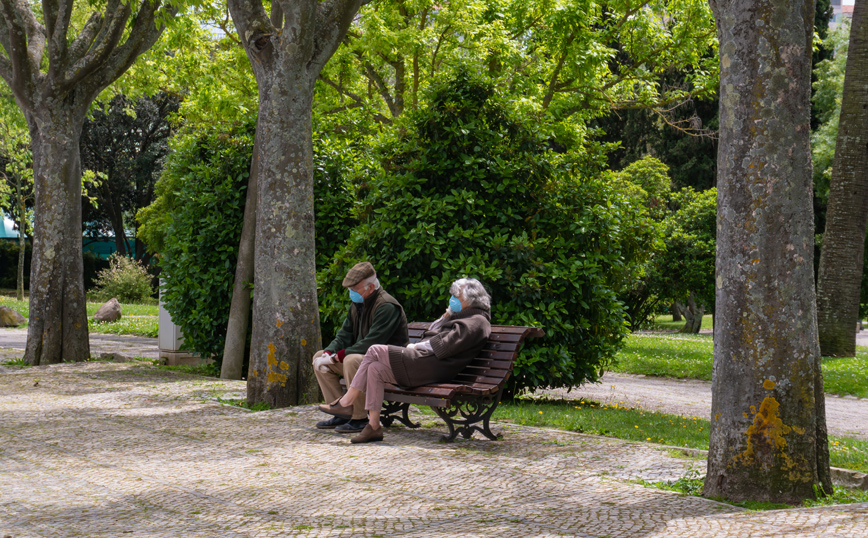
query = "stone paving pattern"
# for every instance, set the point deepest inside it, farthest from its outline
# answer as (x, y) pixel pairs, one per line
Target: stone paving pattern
(113, 450)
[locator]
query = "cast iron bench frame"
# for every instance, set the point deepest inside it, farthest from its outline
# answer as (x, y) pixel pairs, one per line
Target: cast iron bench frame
(473, 395)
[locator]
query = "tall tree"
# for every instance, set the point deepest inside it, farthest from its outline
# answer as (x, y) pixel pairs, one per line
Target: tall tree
(55, 71)
(840, 273)
(768, 432)
(287, 50)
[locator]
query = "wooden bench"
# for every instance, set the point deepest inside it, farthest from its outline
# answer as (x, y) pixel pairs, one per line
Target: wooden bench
(473, 395)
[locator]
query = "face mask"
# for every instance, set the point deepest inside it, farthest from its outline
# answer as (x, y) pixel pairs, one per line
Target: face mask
(356, 297)
(455, 304)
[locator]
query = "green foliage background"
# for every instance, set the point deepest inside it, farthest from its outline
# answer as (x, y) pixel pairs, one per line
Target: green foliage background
(472, 188)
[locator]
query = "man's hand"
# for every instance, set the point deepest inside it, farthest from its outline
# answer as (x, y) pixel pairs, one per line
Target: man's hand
(322, 363)
(411, 346)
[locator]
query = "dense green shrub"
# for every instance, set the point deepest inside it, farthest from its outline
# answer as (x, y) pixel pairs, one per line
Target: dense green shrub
(471, 188)
(124, 279)
(195, 223)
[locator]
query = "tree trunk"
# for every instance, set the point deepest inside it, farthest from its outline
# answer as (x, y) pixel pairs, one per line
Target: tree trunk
(767, 417)
(22, 241)
(676, 311)
(57, 330)
(239, 311)
(693, 314)
(287, 51)
(286, 329)
(841, 259)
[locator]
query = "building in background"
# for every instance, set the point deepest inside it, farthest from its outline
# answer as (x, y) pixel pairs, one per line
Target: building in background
(841, 9)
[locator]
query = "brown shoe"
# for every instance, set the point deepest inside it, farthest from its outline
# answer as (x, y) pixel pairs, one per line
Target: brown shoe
(368, 434)
(336, 409)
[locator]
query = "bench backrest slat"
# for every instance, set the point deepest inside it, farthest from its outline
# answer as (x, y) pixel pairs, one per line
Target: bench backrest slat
(488, 372)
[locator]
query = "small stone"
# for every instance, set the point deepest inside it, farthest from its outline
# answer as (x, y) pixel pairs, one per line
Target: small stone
(10, 318)
(110, 311)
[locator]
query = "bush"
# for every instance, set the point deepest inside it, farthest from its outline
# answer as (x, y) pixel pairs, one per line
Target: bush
(470, 188)
(124, 279)
(195, 222)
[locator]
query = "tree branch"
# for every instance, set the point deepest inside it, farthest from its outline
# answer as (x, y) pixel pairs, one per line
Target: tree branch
(142, 36)
(252, 22)
(333, 19)
(105, 43)
(83, 41)
(21, 24)
(340, 89)
(57, 17)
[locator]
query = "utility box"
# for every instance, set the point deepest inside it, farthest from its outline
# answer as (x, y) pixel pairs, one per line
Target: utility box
(170, 338)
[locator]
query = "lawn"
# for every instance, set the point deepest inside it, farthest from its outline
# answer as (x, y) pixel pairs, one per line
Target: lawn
(137, 319)
(690, 356)
(665, 323)
(646, 426)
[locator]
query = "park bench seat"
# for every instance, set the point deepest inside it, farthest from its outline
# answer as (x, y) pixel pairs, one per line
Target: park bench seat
(469, 399)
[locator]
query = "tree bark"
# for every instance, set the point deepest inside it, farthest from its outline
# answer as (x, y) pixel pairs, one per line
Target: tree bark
(841, 258)
(22, 241)
(767, 417)
(676, 310)
(693, 316)
(57, 330)
(239, 310)
(287, 52)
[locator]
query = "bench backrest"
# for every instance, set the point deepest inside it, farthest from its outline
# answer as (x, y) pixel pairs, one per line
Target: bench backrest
(493, 366)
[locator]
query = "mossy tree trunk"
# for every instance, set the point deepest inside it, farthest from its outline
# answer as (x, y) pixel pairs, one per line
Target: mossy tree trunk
(768, 433)
(287, 51)
(840, 274)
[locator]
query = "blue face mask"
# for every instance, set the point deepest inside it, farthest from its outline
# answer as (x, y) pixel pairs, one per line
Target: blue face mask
(455, 304)
(356, 297)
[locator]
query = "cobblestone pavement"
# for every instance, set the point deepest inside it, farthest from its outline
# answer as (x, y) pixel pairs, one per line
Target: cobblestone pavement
(125, 449)
(847, 416)
(13, 341)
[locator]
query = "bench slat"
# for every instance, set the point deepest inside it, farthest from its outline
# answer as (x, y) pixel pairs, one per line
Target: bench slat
(505, 337)
(480, 379)
(490, 363)
(418, 400)
(487, 372)
(503, 356)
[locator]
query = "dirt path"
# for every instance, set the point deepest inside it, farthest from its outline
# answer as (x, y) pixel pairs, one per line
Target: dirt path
(847, 416)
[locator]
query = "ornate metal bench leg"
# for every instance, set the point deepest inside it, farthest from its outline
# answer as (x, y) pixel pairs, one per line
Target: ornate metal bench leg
(445, 414)
(388, 414)
(486, 430)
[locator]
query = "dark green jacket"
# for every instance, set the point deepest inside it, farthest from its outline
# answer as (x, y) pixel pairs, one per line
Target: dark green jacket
(379, 320)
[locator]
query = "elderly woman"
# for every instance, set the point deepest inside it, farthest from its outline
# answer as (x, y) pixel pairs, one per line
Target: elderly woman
(445, 349)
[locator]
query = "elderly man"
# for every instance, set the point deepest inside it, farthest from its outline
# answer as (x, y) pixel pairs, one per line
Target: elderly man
(374, 317)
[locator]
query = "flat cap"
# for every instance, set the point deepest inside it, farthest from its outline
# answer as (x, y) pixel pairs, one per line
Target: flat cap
(357, 273)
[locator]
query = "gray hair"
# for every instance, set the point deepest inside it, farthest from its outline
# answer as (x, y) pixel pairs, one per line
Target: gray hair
(473, 292)
(373, 280)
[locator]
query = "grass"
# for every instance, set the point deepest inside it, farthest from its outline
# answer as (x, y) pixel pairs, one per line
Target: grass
(646, 426)
(692, 483)
(690, 356)
(665, 323)
(138, 319)
(261, 406)
(128, 325)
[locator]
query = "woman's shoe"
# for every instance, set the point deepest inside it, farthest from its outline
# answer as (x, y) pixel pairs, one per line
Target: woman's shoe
(368, 435)
(335, 408)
